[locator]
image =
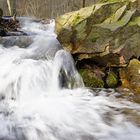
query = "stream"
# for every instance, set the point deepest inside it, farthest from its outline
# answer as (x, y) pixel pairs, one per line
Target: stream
(43, 97)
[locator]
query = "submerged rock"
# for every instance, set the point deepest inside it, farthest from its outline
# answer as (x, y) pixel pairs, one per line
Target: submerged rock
(21, 41)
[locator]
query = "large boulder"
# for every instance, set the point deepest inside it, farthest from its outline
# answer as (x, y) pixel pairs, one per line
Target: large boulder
(107, 32)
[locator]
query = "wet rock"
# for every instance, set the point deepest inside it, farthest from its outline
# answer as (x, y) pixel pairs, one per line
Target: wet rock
(102, 31)
(111, 80)
(21, 41)
(91, 79)
(2, 32)
(8, 25)
(130, 76)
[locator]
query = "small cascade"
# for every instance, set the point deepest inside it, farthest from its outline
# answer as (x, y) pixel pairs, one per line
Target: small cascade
(42, 96)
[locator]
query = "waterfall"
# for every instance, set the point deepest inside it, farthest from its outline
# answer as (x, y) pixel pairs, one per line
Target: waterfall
(42, 96)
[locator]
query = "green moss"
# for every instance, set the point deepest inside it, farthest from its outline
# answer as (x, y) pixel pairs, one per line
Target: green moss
(90, 79)
(111, 80)
(94, 39)
(134, 22)
(76, 19)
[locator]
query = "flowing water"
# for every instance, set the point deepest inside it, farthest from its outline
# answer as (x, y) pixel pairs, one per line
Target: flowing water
(42, 96)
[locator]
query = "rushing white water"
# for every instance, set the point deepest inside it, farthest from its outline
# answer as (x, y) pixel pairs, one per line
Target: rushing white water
(42, 96)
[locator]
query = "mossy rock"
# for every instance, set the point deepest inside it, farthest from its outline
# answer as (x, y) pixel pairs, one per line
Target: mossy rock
(111, 80)
(90, 79)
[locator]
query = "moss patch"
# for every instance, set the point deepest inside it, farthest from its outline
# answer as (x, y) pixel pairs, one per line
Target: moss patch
(90, 79)
(111, 80)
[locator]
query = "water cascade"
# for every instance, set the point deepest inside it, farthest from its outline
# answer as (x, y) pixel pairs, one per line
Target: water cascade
(42, 96)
